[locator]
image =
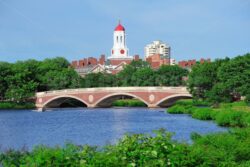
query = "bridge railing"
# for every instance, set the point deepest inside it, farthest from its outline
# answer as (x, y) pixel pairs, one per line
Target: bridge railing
(115, 89)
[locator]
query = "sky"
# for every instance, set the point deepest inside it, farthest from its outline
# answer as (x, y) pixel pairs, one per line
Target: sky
(74, 29)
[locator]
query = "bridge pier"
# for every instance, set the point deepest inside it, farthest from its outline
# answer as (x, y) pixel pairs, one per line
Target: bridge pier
(152, 106)
(41, 109)
(91, 106)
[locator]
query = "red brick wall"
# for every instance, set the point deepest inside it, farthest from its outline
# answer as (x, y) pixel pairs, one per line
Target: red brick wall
(136, 57)
(74, 64)
(156, 61)
(102, 60)
(116, 62)
(190, 63)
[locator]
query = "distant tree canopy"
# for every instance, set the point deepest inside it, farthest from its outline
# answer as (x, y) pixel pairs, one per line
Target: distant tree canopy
(138, 73)
(19, 81)
(222, 80)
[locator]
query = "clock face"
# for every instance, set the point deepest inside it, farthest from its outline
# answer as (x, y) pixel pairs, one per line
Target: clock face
(122, 51)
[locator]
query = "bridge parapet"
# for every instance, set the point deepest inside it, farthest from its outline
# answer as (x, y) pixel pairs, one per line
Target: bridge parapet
(114, 89)
(101, 97)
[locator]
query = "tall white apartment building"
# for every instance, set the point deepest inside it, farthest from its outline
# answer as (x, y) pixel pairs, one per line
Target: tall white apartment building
(157, 47)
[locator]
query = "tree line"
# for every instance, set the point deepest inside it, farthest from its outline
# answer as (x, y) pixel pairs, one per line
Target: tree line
(224, 80)
(19, 81)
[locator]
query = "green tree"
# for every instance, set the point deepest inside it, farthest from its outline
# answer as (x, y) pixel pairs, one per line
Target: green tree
(63, 79)
(21, 92)
(170, 75)
(92, 80)
(125, 76)
(219, 93)
(143, 77)
(22, 84)
(5, 72)
(202, 78)
(52, 66)
(235, 75)
(99, 80)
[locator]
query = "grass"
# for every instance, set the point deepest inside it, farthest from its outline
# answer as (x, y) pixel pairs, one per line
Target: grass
(13, 105)
(128, 103)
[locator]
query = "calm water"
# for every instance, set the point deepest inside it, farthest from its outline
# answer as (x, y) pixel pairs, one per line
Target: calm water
(92, 126)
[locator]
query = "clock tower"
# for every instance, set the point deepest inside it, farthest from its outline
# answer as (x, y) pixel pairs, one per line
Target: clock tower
(119, 50)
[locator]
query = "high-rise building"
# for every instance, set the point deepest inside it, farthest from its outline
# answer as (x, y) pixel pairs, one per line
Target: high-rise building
(158, 47)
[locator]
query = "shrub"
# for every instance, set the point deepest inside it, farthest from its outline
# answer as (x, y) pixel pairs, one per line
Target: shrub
(128, 103)
(219, 149)
(176, 109)
(230, 118)
(201, 103)
(203, 113)
(184, 102)
(247, 99)
(13, 105)
(246, 120)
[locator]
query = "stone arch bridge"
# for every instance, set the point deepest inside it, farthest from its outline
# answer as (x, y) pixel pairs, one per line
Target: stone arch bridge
(103, 97)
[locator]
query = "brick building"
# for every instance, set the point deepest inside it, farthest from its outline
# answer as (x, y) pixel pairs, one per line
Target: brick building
(188, 64)
(157, 60)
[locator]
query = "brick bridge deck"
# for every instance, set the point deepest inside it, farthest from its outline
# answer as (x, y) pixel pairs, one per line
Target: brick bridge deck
(103, 97)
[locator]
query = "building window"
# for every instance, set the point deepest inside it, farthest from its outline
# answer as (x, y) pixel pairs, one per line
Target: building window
(121, 39)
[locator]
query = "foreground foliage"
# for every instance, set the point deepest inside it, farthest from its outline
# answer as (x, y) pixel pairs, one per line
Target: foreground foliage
(222, 149)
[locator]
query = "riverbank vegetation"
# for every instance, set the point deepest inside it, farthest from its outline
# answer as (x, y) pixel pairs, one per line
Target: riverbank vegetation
(128, 103)
(222, 149)
(13, 105)
(227, 114)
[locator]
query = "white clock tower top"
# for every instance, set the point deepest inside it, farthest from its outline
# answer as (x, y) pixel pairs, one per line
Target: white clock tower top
(119, 49)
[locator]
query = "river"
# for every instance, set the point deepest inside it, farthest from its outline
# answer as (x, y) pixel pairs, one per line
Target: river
(27, 128)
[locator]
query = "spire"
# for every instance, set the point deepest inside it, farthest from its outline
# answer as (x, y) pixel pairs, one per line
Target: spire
(119, 27)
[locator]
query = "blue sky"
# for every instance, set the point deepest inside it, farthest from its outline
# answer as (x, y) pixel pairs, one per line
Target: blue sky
(38, 29)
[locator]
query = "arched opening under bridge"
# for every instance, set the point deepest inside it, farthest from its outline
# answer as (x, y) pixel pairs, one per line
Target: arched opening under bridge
(121, 100)
(170, 100)
(65, 102)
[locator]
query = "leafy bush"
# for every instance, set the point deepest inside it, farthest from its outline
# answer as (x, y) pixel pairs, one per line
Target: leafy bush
(13, 105)
(219, 149)
(187, 102)
(182, 107)
(232, 118)
(176, 109)
(246, 120)
(247, 99)
(129, 103)
(228, 114)
(203, 113)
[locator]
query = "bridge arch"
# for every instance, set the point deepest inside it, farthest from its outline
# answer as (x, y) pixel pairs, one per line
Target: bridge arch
(58, 100)
(170, 100)
(107, 100)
